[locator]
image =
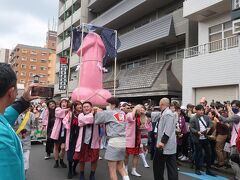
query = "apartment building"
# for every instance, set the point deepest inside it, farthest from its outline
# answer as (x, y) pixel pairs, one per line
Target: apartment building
(28, 61)
(71, 14)
(153, 36)
(211, 69)
(4, 55)
(51, 43)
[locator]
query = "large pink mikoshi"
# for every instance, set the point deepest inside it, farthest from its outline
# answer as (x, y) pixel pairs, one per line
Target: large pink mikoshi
(91, 77)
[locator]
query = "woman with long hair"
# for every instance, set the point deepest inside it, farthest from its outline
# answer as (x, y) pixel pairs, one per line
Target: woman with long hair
(136, 120)
(48, 123)
(59, 132)
(72, 131)
(145, 128)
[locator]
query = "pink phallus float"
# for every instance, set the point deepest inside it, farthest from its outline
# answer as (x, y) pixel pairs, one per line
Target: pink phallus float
(91, 77)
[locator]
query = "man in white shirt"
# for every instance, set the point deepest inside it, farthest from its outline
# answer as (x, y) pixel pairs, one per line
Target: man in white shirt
(199, 126)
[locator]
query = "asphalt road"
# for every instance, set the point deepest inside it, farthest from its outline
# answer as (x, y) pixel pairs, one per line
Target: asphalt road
(41, 169)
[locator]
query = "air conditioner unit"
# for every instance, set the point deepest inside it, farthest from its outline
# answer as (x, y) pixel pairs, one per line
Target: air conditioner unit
(236, 26)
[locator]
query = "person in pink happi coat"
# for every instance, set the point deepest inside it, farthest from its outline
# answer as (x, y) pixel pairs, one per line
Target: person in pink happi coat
(72, 131)
(136, 122)
(59, 132)
(88, 142)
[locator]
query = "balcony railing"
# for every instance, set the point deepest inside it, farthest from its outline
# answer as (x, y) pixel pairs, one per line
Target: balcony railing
(212, 47)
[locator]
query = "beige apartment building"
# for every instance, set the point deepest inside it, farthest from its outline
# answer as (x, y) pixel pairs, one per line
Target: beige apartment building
(28, 61)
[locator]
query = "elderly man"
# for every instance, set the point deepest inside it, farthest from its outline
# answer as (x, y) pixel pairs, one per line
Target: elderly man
(11, 158)
(166, 143)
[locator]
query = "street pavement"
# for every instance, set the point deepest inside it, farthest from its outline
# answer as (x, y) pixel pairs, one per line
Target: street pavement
(41, 169)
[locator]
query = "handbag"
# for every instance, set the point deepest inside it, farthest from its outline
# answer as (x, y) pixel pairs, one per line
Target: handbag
(212, 136)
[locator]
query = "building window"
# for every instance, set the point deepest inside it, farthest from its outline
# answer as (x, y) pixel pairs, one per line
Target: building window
(44, 53)
(235, 4)
(42, 75)
(23, 66)
(217, 33)
(22, 81)
(24, 51)
(43, 68)
(24, 58)
(33, 53)
(33, 67)
(23, 73)
(136, 62)
(33, 60)
(43, 61)
(220, 31)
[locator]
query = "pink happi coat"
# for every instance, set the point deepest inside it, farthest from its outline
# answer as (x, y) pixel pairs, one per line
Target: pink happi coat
(131, 130)
(84, 120)
(45, 118)
(59, 115)
(67, 124)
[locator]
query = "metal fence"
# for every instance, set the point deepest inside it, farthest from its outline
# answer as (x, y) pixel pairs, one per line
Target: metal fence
(214, 46)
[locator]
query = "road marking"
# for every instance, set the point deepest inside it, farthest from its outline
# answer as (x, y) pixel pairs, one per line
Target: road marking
(204, 176)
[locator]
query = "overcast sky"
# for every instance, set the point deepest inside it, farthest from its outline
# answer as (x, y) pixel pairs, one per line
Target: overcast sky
(25, 21)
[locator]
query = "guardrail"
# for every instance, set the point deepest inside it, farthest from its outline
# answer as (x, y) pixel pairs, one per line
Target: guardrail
(211, 47)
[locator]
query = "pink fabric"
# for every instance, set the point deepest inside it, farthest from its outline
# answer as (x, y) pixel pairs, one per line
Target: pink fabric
(234, 133)
(45, 118)
(83, 121)
(67, 124)
(91, 78)
(131, 130)
(59, 114)
(148, 126)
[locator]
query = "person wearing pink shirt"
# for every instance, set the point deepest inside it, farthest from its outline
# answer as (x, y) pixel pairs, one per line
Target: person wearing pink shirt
(88, 142)
(59, 132)
(136, 120)
(72, 131)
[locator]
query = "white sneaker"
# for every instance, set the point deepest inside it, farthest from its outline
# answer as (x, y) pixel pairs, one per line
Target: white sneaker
(184, 158)
(100, 158)
(146, 165)
(47, 157)
(180, 157)
(134, 173)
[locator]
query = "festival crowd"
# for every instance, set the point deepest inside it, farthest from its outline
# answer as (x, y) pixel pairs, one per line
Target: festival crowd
(206, 134)
(81, 130)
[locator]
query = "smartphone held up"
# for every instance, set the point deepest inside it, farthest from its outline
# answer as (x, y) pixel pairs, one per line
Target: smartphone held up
(42, 91)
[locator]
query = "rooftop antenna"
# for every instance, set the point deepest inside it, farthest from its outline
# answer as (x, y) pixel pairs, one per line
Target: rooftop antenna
(48, 25)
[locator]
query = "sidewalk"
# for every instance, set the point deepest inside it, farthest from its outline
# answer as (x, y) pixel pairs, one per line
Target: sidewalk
(223, 170)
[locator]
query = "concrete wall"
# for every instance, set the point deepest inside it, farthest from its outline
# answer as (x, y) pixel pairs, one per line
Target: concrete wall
(193, 6)
(213, 69)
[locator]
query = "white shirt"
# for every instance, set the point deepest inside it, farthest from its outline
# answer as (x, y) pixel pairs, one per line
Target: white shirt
(202, 127)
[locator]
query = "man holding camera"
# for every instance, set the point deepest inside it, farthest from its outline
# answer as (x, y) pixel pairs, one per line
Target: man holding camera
(11, 158)
(199, 127)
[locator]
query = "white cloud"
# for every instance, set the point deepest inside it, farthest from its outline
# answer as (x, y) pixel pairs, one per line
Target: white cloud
(23, 26)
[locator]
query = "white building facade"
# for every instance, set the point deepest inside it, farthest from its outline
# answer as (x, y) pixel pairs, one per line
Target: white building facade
(4, 55)
(71, 13)
(211, 69)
